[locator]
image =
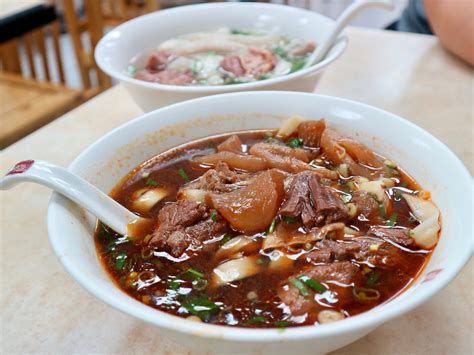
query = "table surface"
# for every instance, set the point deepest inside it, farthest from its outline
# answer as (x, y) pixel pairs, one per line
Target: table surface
(44, 310)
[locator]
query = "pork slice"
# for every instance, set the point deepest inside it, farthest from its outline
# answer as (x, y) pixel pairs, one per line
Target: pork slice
(339, 277)
(159, 60)
(233, 64)
(317, 204)
(397, 235)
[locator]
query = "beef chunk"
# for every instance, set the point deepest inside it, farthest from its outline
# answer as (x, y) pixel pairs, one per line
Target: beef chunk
(318, 256)
(397, 235)
(335, 275)
(340, 249)
(365, 204)
(310, 132)
(219, 179)
(316, 203)
(159, 60)
(182, 224)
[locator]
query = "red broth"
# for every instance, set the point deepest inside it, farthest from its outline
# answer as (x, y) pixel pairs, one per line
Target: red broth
(341, 273)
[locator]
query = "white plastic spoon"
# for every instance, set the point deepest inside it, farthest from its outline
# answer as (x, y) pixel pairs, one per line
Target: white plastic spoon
(76, 189)
(342, 21)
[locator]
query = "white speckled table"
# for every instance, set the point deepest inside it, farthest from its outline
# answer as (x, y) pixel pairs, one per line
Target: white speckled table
(43, 310)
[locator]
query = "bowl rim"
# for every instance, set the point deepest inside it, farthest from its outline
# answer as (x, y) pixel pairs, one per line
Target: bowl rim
(365, 320)
(340, 45)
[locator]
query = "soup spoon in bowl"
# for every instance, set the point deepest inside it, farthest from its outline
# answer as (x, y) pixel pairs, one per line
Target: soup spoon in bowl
(342, 21)
(107, 210)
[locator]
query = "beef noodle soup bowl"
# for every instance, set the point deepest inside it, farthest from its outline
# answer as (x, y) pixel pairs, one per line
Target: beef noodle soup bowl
(339, 245)
(216, 48)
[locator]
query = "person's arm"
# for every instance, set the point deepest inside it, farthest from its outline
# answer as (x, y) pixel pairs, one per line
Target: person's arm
(453, 22)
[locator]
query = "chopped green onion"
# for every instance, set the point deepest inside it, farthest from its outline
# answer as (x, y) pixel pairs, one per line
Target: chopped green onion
(120, 261)
(346, 198)
(174, 285)
(226, 238)
(300, 286)
(200, 284)
(195, 273)
(382, 210)
(271, 229)
(393, 220)
(295, 142)
(261, 261)
(183, 174)
(289, 219)
(214, 215)
(257, 319)
(315, 285)
(201, 307)
(390, 164)
(151, 182)
(280, 52)
(372, 279)
(404, 184)
(365, 294)
(244, 33)
(132, 69)
(122, 280)
(281, 323)
(297, 64)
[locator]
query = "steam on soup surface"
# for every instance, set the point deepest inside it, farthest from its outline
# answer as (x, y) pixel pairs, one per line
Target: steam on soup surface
(270, 229)
(222, 57)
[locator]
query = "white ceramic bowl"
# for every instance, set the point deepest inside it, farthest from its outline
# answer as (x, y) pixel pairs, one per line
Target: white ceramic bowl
(141, 35)
(109, 159)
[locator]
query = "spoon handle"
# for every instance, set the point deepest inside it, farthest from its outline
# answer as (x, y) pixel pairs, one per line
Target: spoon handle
(342, 21)
(73, 187)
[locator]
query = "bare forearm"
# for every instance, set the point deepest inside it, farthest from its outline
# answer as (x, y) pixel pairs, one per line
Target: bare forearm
(453, 22)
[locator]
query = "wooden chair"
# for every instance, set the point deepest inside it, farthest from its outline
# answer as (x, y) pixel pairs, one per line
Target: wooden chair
(32, 92)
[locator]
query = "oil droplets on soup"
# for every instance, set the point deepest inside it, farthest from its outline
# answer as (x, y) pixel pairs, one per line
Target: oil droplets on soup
(269, 228)
(222, 57)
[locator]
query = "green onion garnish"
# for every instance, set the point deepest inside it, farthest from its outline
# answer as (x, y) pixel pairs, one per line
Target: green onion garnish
(271, 229)
(346, 198)
(390, 164)
(365, 294)
(382, 210)
(300, 286)
(372, 279)
(315, 285)
(297, 64)
(289, 219)
(173, 285)
(281, 323)
(256, 319)
(295, 142)
(226, 238)
(120, 261)
(280, 52)
(183, 174)
(195, 273)
(122, 280)
(132, 69)
(151, 182)
(201, 307)
(214, 215)
(261, 261)
(393, 220)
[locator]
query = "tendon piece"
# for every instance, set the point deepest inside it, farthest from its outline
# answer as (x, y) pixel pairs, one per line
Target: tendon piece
(232, 144)
(281, 157)
(337, 154)
(363, 155)
(252, 208)
(233, 160)
(311, 132)
(316, 203)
